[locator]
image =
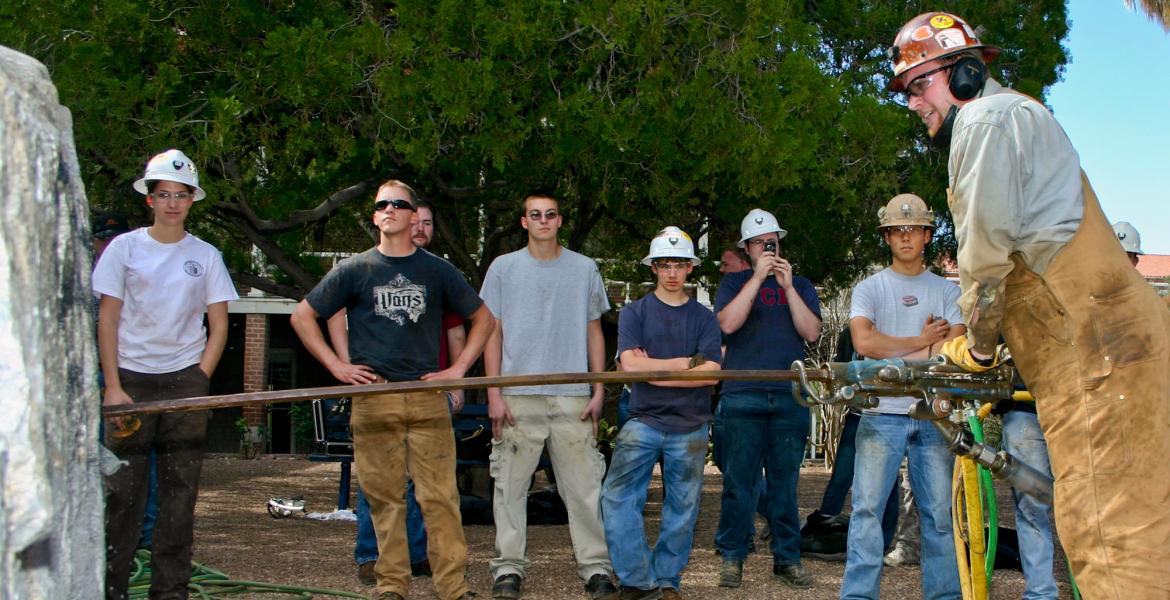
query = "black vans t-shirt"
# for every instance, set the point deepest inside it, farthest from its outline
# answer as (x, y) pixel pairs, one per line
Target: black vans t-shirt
(395, 308)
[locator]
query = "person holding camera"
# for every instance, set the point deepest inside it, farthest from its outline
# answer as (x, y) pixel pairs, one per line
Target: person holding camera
(767, 313)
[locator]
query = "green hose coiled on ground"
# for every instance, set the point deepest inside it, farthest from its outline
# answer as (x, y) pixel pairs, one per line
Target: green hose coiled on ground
(209, 584)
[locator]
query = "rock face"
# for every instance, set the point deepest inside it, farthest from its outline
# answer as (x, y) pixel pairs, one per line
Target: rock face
(51, 536)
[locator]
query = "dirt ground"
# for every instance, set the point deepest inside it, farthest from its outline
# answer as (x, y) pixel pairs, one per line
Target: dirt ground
(234, 534)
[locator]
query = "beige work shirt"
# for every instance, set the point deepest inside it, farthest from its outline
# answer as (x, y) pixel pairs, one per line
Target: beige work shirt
(1015, 187)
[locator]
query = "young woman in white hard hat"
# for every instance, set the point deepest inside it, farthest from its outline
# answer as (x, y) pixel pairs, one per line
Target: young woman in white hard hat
(155, 285)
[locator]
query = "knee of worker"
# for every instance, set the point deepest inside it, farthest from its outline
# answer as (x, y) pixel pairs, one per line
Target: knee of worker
(577, 464)
(1109, 508)
(430, 446)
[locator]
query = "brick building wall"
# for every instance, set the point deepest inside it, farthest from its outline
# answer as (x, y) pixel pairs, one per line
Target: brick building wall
(255, 364)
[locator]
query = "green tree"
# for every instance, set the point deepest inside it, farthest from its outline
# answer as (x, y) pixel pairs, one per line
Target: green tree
(637, 115)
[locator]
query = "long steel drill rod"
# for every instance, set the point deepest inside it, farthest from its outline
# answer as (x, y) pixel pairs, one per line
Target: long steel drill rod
(341, 391)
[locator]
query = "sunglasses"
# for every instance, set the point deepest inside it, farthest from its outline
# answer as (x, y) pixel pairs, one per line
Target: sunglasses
(382, 205)
(918, 86)
(548, 215)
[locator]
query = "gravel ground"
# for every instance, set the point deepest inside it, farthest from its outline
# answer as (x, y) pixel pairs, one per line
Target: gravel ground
(234, 534)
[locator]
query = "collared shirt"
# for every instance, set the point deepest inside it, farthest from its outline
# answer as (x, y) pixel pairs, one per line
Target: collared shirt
(1016, 185)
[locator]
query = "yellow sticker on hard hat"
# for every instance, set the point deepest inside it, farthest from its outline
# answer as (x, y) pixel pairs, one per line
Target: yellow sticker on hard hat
(941, 22)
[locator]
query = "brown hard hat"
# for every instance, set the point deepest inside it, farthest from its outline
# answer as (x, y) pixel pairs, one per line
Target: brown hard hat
(931, 36)
(905, 209)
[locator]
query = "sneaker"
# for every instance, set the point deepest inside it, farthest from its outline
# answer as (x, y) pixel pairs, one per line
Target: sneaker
(731, 573)
(506, 587)
(671, 594)
(601, 585)
(366, 574)
(900, 556)
(793, 576)
(421, 568)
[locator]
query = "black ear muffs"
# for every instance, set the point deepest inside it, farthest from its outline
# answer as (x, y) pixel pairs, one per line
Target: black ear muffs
(968, 75)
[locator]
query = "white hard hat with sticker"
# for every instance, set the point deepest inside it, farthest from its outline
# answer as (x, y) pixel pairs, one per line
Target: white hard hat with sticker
(1128, 236)
(671, 242)
(758, 222)
(171, 165)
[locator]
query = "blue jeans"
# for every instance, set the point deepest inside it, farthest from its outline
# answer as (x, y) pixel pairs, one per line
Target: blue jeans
(882, 441)
(623, 497)
(771, 431)
(365, 545)
(623, 407)
(1023, 439)
(833, 501)
(146, 538)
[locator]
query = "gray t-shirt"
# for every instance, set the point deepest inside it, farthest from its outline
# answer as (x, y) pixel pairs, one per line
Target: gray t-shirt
(544, 307)
(899, 305)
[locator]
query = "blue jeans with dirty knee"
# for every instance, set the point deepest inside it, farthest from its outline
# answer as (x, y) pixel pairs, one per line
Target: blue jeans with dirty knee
(770, 432)
(1023, 439)
(882, 441)
(623, 497)
(365, 546)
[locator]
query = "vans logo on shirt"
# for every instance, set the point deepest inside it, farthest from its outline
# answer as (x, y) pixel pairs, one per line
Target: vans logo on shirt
(909, 301)
(399, 300)
(193, 268)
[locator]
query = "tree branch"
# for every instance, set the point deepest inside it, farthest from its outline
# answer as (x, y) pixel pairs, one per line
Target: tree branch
(301, 217)
(268, 285)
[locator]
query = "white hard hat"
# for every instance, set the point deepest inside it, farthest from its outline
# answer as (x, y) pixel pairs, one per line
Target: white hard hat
(758, 222)
(1128, 236)
(671, 242)
(171, 165)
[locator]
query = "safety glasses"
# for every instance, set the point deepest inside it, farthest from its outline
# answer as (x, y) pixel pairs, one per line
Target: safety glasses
(918, 86)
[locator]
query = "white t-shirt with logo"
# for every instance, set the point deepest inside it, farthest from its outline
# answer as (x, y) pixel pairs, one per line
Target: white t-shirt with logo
(165, 289)
(898, 306)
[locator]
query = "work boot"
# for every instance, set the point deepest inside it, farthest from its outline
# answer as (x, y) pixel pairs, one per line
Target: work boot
(390, 596)
(815, 523)
(731, 573)
(601, 585)
(421, 568)
(506, 587)
(632, 593)
(671, 594)
(793, 576)
(366, 574)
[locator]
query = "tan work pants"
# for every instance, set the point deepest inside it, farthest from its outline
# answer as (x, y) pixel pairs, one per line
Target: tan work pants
(1090, 338)
(394, 433)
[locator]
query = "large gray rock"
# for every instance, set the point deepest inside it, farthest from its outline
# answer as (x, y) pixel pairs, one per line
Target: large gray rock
(51, 536)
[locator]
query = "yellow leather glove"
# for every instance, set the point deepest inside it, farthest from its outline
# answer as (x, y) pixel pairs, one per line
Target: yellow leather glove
(1023, 396)
(957, 353)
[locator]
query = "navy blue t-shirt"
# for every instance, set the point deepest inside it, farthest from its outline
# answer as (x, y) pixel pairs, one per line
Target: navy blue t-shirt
(395, 308)
(767, 339)
(666, 331)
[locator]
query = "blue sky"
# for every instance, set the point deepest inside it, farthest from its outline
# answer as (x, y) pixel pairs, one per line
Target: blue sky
(1114, 102)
